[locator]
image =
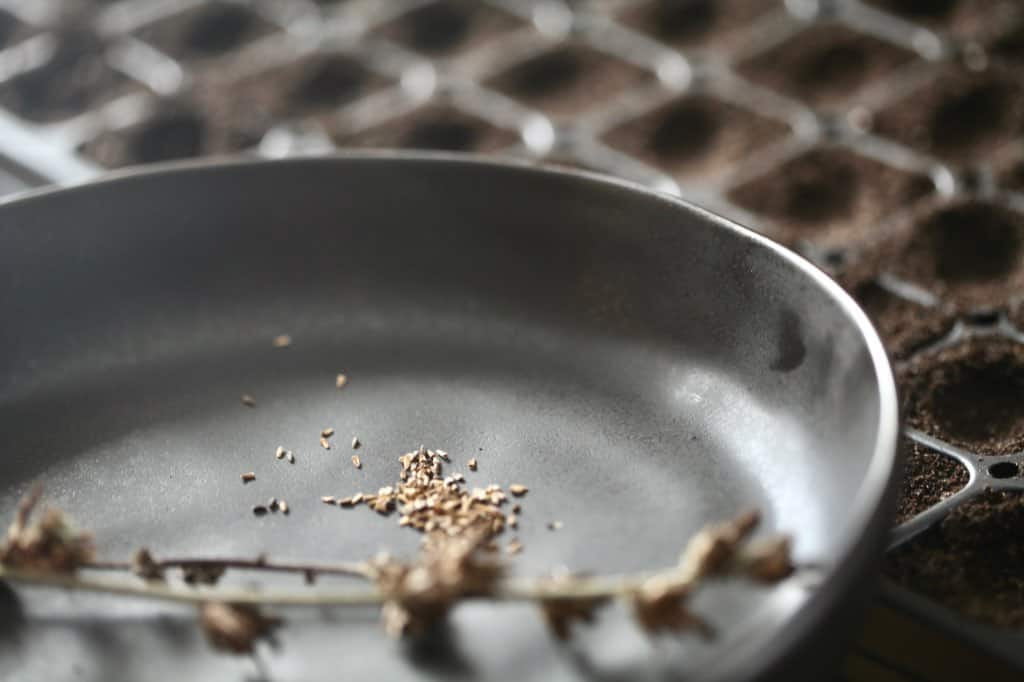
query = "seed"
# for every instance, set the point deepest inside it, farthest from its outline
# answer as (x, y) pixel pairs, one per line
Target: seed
(327, 433)
(282, 341)
(514, 547)
(259, 510)
(516, 509)
(472, 464)
(248, 476)
(345, 502)
(290, 456)
(283, 506)
(443, 455)
(357, 498)
(356, 462)
(340, 381)
(280, 452)
(327, 499)
(248, 400)
(518, 490)
(512, 520)
(554, 525)
(324, 443)
(272, 504)
(355, 443)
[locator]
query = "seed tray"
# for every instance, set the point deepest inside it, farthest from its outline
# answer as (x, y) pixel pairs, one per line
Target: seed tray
(883, 139)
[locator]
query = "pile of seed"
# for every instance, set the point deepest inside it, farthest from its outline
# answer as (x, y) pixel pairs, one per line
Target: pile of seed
(433, 503)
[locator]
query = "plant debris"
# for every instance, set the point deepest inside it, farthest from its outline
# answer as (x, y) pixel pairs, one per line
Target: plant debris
(248, 476)
(356, 462)
(518, 490)
(259, 510)
(472, 464)
(48, 544)
(449, 568)
(248, 400)
(202, 572)
(561, 613)
(554, 525)
(340, 381)
(145, 567)
(355, 443)
(327, 433)
(430, 502)
(324, 443)
(235, 627)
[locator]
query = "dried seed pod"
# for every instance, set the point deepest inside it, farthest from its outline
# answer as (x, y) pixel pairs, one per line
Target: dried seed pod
(145, 567)
(234, 627)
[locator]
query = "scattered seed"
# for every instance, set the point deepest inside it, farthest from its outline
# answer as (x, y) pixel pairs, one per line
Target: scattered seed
(324, 443)
(283, 506)
(554, 525)
(272, 504)
(357, 498)
(259, 510)
(472, 464)
(518, 490)
(356, 462)
(340, 381)
(282, 341)
(345, 502)
(280, 452)
(516, 509)
(355, 443)
(512, 520)
(514, 547)
(327, 499)
(290, 457)
(248, 476)
(248, 400)
(327, 433)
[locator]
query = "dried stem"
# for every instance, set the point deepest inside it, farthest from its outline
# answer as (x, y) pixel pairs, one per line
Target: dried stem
(355, 570)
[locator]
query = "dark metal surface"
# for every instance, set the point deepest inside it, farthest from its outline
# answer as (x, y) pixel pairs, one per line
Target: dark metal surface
(641, 365)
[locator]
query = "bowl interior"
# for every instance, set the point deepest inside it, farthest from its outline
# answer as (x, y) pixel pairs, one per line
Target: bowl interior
(641, 366)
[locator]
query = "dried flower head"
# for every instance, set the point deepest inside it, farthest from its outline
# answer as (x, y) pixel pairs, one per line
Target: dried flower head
(767, 560)
(145, 567)
(661, 604)
(561, 612)
(235, 627)
(419, 595)
(712, 550)
(47, 544)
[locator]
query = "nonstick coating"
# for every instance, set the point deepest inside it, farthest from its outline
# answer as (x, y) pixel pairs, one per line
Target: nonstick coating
(644, 367)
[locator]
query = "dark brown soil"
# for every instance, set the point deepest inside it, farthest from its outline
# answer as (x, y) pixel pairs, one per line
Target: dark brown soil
(180, 130)
(433, 127)
(825, 66)
(929, 478)
(962, 18)
(830, 195)
(73, 81)
(904, 327)
(447, 27)
(209, 30)
(691, 23)
(695, 135)
(971, 254)
(567, 80)
(969, 395)
(961, 116)
(310, 86)
(971, 562)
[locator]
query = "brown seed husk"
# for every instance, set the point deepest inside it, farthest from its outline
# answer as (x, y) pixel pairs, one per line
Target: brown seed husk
(235, 627)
